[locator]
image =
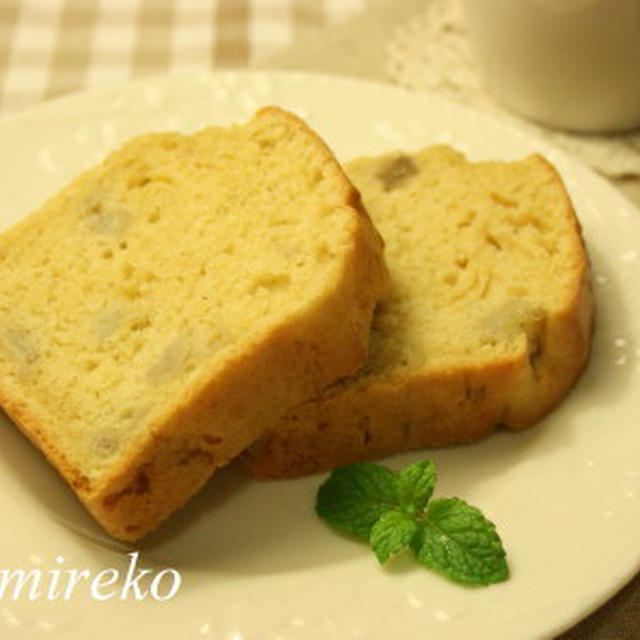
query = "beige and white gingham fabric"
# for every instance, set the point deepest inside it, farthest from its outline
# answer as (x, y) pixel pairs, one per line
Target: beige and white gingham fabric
(52, 47)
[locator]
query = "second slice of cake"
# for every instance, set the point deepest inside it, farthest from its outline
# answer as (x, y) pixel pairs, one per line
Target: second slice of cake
(488, 321)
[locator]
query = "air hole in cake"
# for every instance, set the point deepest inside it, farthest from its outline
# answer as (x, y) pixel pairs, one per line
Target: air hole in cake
(324, 253)
(468, 219)
(270, 281)
(503, 200)
(139, 323)
(138, 182)
(491, 240)
(451, 278)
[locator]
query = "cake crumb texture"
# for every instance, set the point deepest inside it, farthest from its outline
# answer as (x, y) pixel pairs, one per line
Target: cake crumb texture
(160, 310)
(487, 324)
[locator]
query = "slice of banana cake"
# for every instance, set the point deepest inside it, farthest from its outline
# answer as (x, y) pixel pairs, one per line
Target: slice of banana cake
(169, 303)
(487, 324)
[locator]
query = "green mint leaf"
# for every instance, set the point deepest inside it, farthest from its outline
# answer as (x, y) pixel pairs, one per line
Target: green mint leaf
(394, 511)
(415, 485)
(353, 497)
(391, 534)
(456, 540)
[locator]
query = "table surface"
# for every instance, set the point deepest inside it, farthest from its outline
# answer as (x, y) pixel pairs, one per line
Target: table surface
(52, 47)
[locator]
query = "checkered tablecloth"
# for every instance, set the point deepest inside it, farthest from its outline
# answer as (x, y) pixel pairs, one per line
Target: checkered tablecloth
(52, 47)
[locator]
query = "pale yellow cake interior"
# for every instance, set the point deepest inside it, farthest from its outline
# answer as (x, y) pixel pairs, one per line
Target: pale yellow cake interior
(455, 234)
(154, 269)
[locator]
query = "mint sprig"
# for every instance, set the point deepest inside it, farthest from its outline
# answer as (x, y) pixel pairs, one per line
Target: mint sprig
(355, 496)
(393, 511)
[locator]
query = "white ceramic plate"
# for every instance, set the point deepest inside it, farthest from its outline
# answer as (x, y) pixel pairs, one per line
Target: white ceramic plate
(255, 562)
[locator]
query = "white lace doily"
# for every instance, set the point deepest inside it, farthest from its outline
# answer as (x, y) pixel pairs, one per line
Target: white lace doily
(431, 51)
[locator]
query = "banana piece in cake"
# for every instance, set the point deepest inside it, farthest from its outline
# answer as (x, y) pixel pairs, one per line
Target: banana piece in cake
(169, 302)
(487, 324)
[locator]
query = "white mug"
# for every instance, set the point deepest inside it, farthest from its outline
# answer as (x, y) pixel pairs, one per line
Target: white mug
(571, 64)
